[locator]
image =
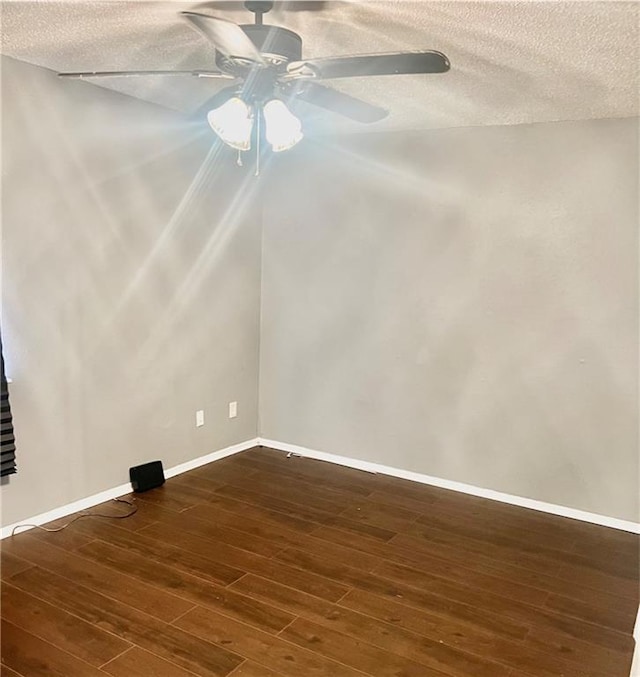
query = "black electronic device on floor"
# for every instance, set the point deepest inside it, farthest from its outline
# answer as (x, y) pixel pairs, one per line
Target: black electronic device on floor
(146, 476)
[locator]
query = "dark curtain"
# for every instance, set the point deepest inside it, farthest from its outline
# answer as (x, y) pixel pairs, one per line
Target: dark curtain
(7, 439)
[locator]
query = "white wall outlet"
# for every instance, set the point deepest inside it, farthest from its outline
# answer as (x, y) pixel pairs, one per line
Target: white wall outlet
(199, 418)
(233, 409)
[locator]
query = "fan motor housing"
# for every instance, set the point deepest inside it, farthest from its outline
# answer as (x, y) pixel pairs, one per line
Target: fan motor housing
(277, 45)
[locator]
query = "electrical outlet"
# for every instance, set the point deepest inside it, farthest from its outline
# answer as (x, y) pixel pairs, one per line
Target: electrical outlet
(199, 418)
(233, 409)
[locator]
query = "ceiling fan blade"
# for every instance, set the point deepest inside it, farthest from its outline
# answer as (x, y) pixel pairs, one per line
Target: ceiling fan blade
(339, 102)
(227, 37)
(400, 63)
(215, 101)
(135, 74)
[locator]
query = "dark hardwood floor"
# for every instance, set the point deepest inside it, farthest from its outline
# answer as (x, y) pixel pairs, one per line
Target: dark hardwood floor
(261, 565)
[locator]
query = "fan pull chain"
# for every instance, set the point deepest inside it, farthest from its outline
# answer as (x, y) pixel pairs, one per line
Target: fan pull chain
(239, 160)
(258, 138)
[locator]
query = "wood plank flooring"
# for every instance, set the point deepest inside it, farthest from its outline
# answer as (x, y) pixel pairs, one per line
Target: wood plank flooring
(261, 565)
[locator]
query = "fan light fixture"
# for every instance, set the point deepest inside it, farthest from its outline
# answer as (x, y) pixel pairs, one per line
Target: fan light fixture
(233, 123)
(282, 128)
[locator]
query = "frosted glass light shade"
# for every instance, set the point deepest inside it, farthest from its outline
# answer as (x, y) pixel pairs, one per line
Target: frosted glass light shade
(233, 123)
(283, 129)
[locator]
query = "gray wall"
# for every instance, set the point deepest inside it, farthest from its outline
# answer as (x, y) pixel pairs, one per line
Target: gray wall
(462, 304)
(131, 289)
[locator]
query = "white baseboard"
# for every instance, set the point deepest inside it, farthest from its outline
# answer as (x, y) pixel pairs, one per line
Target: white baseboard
(635, 661)
(563, 511)
(115, 492)
(96, 499)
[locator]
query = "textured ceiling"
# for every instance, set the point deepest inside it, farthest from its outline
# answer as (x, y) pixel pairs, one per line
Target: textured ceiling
(512, 62)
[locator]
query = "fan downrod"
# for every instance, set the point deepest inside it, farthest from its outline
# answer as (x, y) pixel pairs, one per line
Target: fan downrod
(259, 7)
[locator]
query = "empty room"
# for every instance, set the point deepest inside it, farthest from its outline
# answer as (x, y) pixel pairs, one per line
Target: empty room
(319, 335)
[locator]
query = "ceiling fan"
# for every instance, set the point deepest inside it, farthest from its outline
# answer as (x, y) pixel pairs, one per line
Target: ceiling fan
(267, 69)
